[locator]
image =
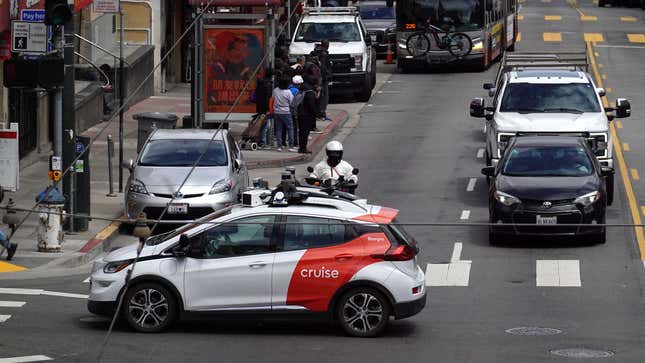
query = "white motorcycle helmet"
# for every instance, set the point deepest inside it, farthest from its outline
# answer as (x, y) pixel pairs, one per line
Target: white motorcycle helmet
(334, 151)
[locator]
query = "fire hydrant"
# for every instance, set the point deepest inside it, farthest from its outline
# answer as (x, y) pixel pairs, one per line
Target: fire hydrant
(50, 220)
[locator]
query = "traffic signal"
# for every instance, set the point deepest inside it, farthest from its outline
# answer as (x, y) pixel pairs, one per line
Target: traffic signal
(57, 12)
(20, 73)
(51, 72)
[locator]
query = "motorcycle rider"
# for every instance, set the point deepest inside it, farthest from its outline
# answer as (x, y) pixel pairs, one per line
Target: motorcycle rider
(334, 166)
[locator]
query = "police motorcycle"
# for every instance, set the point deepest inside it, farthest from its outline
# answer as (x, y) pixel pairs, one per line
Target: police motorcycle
(334, 171)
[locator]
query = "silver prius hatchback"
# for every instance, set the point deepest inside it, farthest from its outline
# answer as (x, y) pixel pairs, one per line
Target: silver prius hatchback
(165, 161)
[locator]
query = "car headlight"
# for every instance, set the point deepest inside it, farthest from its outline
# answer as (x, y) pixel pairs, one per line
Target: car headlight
(478, 45)
(358, 62)
(137, 186)
(116, 266)
(588, 199)
(221, 186)
(506, 199)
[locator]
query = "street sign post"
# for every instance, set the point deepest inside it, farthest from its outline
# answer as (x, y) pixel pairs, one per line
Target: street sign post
(9, 161)
(106, 6)
(29, 37)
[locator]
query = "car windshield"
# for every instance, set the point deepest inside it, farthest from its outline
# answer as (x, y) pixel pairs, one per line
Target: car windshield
(334, 32)
(450, 15)
(376, 12)
(547, 161)
(564, 98)
(184, 153)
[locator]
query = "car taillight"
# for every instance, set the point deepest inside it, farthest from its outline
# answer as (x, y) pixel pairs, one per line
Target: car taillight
(398, 253)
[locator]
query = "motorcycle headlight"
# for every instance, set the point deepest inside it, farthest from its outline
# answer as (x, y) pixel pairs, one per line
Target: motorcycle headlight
(137, 186)
(358, 62)
(221, 186)
(588, 199)
(478, 45)
(116, 266)
(506, 199)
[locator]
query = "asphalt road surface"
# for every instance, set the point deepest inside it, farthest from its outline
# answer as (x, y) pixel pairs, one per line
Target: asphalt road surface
(419, 151)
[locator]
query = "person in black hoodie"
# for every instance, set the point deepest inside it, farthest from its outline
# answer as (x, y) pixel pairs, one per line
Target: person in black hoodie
(322, 52)
(308, 111)
(263, 92)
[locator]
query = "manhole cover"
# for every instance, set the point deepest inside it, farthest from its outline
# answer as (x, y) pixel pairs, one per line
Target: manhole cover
(582, 353)
(533, 331)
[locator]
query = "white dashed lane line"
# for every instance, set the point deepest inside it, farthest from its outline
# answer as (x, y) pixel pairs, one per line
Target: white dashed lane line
(25, 359)
(480, 154)
(40, 292)
(471, 184)
(465, 214)
(455, 273)
(12, 304)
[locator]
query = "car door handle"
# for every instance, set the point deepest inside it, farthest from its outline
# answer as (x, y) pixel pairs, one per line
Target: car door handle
(343, 256)
(256, 265)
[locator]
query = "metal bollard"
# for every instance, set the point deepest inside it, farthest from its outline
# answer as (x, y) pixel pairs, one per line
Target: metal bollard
(110, 144)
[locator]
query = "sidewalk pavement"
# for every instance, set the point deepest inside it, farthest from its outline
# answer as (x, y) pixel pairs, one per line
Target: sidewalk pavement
(81, 248)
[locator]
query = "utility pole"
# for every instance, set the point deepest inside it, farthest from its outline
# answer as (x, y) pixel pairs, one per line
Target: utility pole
(121, 96)
(69, 109)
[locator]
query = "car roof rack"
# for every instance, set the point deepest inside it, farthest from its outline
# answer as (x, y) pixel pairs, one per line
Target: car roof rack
(517, 61)
(337, 10)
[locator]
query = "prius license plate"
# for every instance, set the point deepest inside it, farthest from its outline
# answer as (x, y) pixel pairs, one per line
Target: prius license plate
(546, 220)
(178, 209)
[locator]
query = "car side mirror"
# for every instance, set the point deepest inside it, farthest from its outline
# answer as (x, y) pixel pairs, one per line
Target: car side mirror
(310, 169)
(489, 171)
(623, 108)
(477, 107)
(488, 86)
(181, 250)
(128, 164)
(607, 171)
(601, 92)
(355, 171)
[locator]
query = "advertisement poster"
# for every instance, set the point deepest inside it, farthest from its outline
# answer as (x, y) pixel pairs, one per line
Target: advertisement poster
(230, 58)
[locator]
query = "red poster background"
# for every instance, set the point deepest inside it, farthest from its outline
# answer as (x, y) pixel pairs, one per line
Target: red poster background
(80, 4)
(230, 58)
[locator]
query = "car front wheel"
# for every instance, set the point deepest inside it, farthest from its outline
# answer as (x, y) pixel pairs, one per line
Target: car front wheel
(363, 312)
(149, 307)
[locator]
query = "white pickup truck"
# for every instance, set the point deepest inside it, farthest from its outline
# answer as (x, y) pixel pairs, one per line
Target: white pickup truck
(547, 94)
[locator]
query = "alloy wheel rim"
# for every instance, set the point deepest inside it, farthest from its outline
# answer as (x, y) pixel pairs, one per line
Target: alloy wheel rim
(148, 308)
(363, 312)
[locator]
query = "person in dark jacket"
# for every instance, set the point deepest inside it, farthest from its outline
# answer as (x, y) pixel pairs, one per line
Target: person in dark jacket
(307, 113)
(322, 52)
(263, 92)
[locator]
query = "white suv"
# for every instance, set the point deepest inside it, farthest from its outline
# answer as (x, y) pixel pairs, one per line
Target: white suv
(303, 251)
(350, 47)
(547, 94)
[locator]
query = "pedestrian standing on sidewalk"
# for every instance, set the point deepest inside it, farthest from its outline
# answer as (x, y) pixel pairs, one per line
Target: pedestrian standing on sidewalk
(263, 91)
(307, 113)
(8, 245)
(296, 83)
(282, 98)
(322, 52)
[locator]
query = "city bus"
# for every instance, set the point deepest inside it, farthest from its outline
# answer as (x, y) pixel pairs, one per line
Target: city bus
(491, 24)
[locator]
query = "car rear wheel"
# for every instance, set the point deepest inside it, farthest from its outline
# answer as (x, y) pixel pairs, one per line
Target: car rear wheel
(601, 238)
(363, 312)
(149, 307)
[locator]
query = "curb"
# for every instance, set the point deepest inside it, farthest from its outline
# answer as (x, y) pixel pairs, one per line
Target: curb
(93, 247)
(315, 146)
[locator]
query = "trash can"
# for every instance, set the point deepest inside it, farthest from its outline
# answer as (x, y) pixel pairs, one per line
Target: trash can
(187, 122)
(146, 121)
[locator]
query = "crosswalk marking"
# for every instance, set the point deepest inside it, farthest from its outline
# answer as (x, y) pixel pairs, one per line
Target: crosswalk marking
(12, 304)
(636, 38)
(455, 273)
(552, 37)
(25, 359)
(557, 273)
(588, 18)
(87, 280)
(552, 17)
(480, 153)
(11, 291)
(465, 214)
(4, 318)
(594, 37)
(627, 18)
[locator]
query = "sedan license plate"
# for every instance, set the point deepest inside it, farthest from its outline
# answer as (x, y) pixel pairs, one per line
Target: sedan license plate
(546, 220)
(178, 209)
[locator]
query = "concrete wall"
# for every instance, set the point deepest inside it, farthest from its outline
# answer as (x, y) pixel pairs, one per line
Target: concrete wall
(102, 30)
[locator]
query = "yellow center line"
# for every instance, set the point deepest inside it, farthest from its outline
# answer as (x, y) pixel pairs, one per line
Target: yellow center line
(619, 124)
(626, 147)
(8, 267)
(552, 17)
(588, 18)
(552, 37)
(635, 175)
(629, 189)
(627, 18)
(636, 38)
(643, 209)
